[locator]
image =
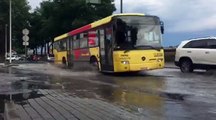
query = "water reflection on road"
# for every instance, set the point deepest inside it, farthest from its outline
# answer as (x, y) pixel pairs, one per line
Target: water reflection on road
(141, 91)
(164, 94)
(158, 96)
(138, 94)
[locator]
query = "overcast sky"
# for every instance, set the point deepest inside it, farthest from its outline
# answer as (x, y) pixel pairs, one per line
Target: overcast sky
(34, 3)
(183, 18)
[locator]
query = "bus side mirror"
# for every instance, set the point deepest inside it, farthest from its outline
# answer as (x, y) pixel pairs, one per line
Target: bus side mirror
(162, 27)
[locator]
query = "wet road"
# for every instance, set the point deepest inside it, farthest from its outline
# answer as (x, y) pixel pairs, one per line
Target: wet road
(164, 94)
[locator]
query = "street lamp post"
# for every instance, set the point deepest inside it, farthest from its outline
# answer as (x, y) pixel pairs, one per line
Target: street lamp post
(121, 6)
(10, 31)
(6, 41)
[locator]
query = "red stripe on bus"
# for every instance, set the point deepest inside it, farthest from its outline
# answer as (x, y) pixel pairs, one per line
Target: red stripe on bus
(77, 54)
(92, 35)
(79, 30)
(91, 42)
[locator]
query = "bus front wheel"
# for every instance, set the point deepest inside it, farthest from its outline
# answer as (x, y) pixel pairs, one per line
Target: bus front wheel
(94, 62)
(64, 61)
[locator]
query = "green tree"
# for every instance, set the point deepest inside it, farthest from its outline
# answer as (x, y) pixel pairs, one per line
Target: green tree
(20, 20)
(36, 24)
(61, 16)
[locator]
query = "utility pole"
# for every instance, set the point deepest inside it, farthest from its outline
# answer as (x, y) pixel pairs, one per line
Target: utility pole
(6, 41)
(121, 6)
(10, 32)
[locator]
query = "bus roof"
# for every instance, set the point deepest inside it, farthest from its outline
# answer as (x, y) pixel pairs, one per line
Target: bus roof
(95, 24)
(61, 37)
(109, 18)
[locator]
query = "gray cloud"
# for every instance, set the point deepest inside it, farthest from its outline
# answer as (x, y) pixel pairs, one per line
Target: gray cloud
(34, 3)
(179, 15)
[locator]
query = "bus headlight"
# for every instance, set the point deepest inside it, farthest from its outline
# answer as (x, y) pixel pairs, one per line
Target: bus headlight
(125, 62)
(159, 60)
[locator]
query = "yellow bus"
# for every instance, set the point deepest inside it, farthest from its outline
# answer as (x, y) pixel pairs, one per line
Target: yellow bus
(117, 43)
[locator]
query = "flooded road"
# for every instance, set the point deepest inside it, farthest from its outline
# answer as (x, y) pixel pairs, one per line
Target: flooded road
(164, 94)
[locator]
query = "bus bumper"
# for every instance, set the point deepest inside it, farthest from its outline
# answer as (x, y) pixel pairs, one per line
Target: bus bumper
(138, 67)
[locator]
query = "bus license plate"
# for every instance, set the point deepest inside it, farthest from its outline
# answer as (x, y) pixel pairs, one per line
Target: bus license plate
(144, 68)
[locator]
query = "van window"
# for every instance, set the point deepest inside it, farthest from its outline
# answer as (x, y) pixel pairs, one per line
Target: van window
(196, 44)
(211, 43)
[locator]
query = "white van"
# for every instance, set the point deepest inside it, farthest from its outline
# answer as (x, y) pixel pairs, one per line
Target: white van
(197, 53)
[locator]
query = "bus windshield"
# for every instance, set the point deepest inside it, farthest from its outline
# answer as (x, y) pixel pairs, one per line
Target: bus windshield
(138, 32)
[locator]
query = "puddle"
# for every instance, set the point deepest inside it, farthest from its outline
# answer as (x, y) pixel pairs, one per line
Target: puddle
(174, 96)
(18, 91)
(126, 91)
(21, 90)
(19, 86)
(139, 93)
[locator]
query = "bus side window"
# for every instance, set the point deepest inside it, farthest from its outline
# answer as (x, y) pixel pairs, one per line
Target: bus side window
(71, 42)
(55, 46)
(109, 43)
(83, 40)
(109, 35)
(68, 43)
(92, 38)
(76, 43)
(63, 45)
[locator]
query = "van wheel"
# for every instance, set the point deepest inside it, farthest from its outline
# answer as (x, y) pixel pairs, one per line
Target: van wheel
(186, 66)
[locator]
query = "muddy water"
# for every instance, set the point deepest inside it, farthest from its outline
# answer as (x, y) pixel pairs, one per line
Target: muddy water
(142, 95)
(164, 95)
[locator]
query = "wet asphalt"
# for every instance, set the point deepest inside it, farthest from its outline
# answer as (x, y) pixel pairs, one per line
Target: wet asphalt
(165, 94)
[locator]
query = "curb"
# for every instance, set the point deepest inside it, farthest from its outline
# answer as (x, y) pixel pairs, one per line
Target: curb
(8, 65)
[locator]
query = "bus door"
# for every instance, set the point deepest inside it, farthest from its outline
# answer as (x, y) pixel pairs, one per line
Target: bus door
(69, 52)
(106, 50)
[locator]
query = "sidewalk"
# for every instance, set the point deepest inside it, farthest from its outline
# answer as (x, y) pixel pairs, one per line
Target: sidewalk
(52, 104)
(8, 65)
